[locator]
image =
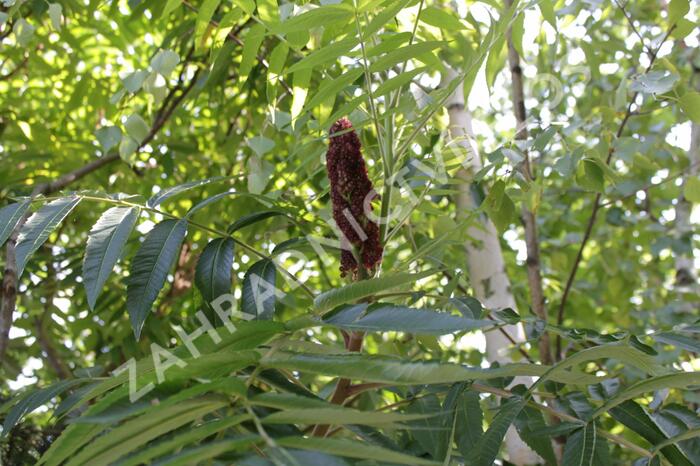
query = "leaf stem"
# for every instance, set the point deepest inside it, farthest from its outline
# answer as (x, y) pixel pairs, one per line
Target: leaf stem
(199, 226)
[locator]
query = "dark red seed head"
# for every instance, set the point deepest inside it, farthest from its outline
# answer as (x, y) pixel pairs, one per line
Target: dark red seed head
(350, 186)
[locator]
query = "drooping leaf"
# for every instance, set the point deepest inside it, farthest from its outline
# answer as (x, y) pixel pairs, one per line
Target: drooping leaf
(547, 10)
(679, 340)
(691, 187)
(251, 44)
(165, 62)
(213, 272)
(10, 215)
(636, 418)
(675, 380)
(205, 12)
(108, 137)
(34, 400)
(499, 206)
(677, 9)
(55, 13)
(104, 247)
(259, 292)
(430, 431)
(488, 446)
(440, 18)
(255, 217)
(324, 55)
(339, 415)
(690, 104)
(352, 449)
(39, 226)
(621, 352)
(413, 51)
(188, 437)
(359, 290)
(654, 82)
(149, 269)
(331, 87)
(401, 372)
(209, 451)
(325, 14)
(675, 420)
(398, 81)
(580, 447)
(528, 422)
(590, 176)
(388, 317)
(136, 127)
(469, 422)
(167, 193)
(138, 431)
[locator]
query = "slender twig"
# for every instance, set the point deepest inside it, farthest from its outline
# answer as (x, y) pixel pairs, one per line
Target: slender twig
(8, 292)
(534, 271)
(597, 203)
(634, 28)
(16, 70)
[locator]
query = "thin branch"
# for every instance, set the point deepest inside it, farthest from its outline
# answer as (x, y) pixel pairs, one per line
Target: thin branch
(634, 28)
(534, 271)
(7, 76)
(597, 203)
(343, 388)
(8, 292)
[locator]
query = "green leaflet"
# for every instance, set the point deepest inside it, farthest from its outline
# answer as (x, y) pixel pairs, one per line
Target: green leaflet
(358, 290)
(104, 247)
(635, 417)
(339, 415)
(150, 268)
(33, 400)
(486, 449)
(136, 432)
(259, 292)
(39, 226)
(324, 55)
(352, 449)
(400, 372)
(382, 317)
(167, 193)
(326, 15)
(676, 380)
(580, 447)
(10, 216)
(213, 272)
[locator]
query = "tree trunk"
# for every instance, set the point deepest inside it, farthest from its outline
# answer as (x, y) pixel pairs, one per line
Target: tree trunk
(485, 263)
(534, 273)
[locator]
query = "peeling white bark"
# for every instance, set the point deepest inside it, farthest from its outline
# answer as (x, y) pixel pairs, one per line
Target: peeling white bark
(485, 263)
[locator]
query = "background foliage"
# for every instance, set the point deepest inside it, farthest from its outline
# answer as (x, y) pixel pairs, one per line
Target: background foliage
(171, 149)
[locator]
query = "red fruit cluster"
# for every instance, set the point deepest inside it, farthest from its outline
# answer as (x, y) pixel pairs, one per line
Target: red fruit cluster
(350, 186)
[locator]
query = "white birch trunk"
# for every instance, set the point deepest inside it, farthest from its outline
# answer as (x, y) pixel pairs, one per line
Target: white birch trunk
(485, 263)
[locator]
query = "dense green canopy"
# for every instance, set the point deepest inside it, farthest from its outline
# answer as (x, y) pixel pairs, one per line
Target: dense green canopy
(157, 155)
